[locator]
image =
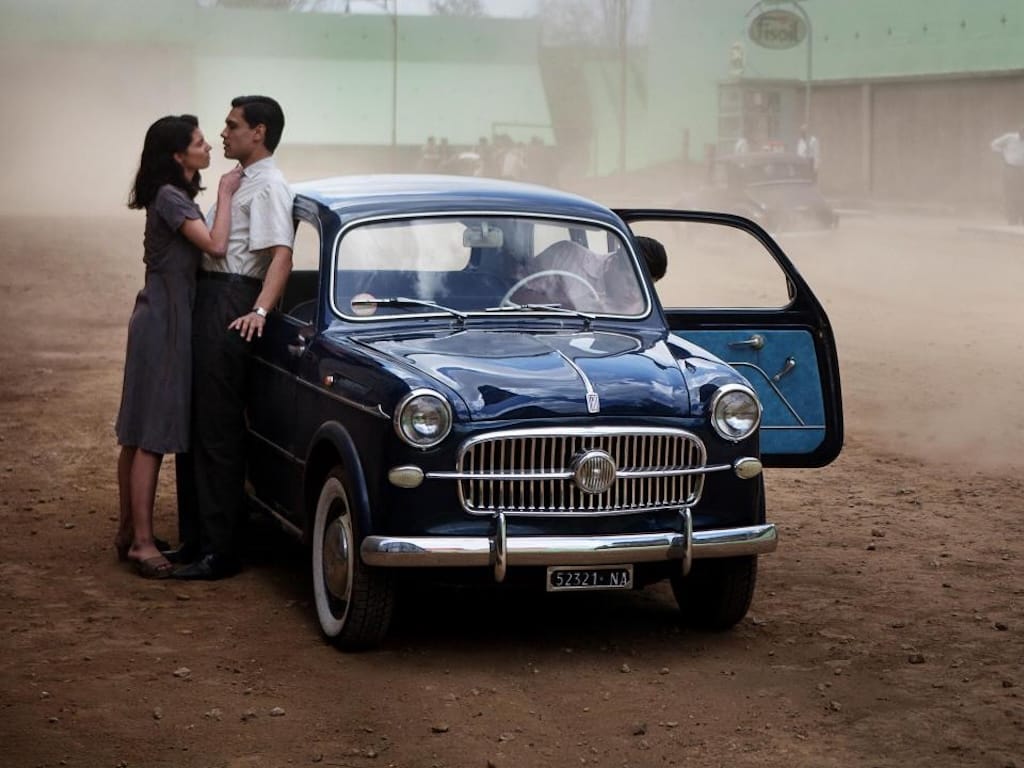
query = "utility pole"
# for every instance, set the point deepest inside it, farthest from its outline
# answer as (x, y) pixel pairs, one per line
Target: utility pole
(623, 81)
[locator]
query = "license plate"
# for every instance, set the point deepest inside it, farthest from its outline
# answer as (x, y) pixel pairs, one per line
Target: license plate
(564, 578)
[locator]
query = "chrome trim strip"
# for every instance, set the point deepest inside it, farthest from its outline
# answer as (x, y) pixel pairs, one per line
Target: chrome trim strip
(774, 385)
(687, 516)
(338, 208)
(284, 522)
(500, 548)
(736, 542)
(592, 396)
(432, 551)
(578, 431)
(444, 475)
(372, 410)
(277, 448)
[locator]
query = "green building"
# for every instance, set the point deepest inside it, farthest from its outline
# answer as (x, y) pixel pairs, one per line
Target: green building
(904, 97)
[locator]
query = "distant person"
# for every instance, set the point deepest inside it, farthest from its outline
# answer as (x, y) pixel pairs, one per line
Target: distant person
(654, 256)
(156, 397)
(807, 147)
(513, 161)
(430, 156)
(741, 147)
(1011, 147)
(234, 296)
(538, 169)
(444, 155)
(486, 151)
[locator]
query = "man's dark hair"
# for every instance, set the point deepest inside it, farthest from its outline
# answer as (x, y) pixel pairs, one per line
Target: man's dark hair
(654, 255)
(263, 110)
(157, 166)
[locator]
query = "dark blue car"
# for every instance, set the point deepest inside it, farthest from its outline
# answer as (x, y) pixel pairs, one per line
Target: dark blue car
(478, 376)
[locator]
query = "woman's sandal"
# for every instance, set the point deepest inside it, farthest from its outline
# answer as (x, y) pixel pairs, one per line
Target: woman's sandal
(158, 567)
(121, 547)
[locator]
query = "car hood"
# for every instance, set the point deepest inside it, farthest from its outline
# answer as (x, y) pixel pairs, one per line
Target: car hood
(517, 374)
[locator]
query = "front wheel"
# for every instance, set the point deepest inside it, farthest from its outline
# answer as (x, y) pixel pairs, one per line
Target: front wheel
(354, 603)
(717, 593)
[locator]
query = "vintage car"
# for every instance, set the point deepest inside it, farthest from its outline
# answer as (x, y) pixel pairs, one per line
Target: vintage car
(475, 378)
(778, 190)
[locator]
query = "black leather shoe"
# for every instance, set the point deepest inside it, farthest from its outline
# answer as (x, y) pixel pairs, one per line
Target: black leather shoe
(182, 554)
(209, 568)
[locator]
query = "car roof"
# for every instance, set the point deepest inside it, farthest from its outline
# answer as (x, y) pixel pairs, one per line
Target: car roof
(397, 193)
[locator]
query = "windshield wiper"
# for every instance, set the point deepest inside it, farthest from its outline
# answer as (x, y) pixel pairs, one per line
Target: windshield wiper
(403, 302)
(513, 307)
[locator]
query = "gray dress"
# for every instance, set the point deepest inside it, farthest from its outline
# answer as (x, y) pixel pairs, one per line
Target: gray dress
(156, 396)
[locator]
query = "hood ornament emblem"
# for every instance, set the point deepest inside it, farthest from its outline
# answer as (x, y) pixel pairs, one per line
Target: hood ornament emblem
(593, 401)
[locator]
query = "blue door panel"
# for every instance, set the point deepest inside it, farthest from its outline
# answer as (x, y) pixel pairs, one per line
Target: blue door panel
(782, 367)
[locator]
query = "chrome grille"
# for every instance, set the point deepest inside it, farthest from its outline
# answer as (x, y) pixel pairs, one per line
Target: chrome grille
(530, 472)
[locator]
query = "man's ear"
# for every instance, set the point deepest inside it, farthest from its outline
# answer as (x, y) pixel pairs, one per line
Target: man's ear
(260, 133)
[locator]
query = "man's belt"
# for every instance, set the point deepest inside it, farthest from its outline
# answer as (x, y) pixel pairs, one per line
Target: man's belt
(230, 277)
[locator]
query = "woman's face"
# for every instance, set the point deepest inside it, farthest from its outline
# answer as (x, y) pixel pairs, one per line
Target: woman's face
(196, 156)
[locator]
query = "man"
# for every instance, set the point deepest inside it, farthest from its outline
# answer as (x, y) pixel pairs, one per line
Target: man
(1011, 147)
(233, 298)
(807, 148)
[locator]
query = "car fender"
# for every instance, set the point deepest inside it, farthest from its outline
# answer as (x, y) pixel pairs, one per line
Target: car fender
(332, 444)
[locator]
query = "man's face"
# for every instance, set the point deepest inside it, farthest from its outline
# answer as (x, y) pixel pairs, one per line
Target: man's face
(240, 138)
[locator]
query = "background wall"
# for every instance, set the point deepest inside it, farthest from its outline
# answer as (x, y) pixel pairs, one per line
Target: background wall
(81, 80)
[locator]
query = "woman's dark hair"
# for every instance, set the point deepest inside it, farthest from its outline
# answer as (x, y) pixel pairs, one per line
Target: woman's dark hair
(157, 166)
(263, 110)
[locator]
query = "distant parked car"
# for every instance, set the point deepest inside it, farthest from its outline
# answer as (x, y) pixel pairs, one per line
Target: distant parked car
(778, 190)
(477, 376)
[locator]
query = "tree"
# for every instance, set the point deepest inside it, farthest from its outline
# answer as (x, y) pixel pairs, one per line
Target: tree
(592, 22)
(457, 7)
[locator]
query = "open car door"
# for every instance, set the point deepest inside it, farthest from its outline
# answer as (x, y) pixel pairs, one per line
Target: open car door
(731, 290)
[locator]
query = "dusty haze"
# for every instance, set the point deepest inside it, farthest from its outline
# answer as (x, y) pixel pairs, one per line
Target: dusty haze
(886, 631)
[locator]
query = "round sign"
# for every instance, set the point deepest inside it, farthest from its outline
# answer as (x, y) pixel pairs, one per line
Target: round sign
(778, 29)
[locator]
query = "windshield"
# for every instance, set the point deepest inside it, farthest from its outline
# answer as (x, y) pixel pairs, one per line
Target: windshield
(485, 264)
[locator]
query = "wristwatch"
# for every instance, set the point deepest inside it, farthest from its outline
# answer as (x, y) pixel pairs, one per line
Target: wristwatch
(260, 311)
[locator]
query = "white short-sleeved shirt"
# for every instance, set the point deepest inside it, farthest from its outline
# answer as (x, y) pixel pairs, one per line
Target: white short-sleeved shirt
(261, 218)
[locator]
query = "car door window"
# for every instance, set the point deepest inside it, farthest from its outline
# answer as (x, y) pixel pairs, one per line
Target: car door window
(715, 266)
(302, 288)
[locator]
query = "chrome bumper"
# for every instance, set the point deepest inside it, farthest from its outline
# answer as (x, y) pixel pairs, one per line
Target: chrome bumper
(501, 551)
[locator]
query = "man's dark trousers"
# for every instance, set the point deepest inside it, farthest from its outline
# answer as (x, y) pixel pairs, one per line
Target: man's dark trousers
(211, 477)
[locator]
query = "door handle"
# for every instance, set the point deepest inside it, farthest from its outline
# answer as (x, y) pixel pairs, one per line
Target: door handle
(298, 349)
(754, 342)
(788, 366)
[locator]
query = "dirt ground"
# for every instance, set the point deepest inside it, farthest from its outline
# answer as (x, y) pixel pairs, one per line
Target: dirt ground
(887, 630)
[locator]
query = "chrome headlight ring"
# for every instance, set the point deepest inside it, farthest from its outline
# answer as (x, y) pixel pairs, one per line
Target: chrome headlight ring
(735, 412)
(423, 418)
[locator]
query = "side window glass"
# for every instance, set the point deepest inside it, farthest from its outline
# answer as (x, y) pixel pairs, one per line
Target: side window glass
(302, 289)
(713, 265)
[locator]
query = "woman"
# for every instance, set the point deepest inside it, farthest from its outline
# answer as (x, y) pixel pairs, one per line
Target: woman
(156, 396)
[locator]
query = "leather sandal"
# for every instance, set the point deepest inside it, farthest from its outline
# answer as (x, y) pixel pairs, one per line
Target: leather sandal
(122, 546)
(158, 567)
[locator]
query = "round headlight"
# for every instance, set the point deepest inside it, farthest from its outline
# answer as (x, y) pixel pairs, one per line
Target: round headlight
(735, 412)
(423, 418)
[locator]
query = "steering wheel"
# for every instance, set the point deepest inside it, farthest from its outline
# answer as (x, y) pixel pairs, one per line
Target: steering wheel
(548, 273)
